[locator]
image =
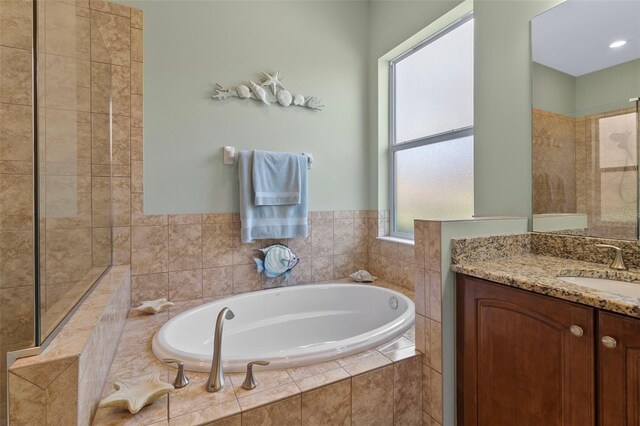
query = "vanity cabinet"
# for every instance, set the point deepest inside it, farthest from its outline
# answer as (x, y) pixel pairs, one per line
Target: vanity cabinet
(529, 359)
(523, 358)
(618, 370)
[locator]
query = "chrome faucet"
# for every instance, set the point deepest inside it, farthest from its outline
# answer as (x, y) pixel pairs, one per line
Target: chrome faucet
(618, 261)
(216, 377)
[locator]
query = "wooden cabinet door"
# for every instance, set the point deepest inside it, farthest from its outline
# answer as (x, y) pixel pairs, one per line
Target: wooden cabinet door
(518, 363)
(619, 370)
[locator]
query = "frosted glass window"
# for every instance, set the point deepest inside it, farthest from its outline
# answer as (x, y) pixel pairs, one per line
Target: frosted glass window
(434, 181)
(434, 86)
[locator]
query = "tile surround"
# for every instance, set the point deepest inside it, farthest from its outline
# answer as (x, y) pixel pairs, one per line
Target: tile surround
(334, 392)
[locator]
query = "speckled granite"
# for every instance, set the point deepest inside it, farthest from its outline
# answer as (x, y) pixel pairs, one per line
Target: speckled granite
(539, 274)
(485, 248)
(583, 248)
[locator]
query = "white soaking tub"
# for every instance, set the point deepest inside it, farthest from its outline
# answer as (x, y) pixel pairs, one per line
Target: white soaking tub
(289, 327)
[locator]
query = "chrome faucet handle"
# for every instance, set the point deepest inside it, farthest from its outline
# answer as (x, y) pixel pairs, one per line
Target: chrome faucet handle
(181, 378)
(250, 381)
(618, 261)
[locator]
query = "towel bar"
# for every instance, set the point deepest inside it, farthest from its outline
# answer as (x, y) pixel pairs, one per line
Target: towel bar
(230, 156)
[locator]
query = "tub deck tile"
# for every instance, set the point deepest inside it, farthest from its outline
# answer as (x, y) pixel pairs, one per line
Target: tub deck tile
(322, 379)
(268, 396)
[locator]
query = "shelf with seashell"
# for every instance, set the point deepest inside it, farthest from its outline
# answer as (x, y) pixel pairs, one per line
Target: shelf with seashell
(277, 93)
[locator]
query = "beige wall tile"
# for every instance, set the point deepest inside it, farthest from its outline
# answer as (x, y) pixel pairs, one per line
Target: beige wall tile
(246, 278)
(113, 8)
(322, 268)
(435, 345)
(16, 135)
(16, 262)
(16, 315)
(100, 87)
(16, 202)
(322, 237)
(122, 245)
(137, 18)
(99, 52)
(372, 397)
(60, 142)
(433, 246)
(68, 254)
(137, 77)
(27, 405)
(185, 219)
(282, 413)
(60, 28)
(83, 36)
(420, 327)
(149, 287)
(328, 405)
(120, 90)
(185, 247)
(15, 81)
(217, 282)
(16, 28)
(149, 249)
(344, 236)
(121, 140)
(217, 244)
(137, 43)
(62, 397)
(185, 285)
(436, 396)
(136, 111)
(137, 177)
(136, 143)
(121, 201)
(407, 391)
(101, 248)
(435, 296)
(116, 35)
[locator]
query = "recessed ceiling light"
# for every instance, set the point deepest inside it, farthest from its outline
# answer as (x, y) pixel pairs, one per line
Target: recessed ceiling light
(618, 43)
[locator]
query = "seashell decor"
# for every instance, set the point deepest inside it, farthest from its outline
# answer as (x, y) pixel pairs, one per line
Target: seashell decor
(277, 93)
(363, 276)
(154, 306)
(134, 394)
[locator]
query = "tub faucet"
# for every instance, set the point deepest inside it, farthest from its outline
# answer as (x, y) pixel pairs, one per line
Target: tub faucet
(216, 377)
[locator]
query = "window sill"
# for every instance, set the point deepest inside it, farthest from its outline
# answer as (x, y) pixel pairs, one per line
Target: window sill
(404, 241)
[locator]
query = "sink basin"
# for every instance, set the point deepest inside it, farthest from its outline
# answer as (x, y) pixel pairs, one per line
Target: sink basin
(623, 288)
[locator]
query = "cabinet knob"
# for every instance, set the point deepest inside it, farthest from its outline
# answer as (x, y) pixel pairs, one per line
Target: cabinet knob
(609, 342)
(576, 330)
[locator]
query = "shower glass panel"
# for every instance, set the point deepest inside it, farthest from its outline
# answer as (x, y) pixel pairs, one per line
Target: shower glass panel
(74, 159)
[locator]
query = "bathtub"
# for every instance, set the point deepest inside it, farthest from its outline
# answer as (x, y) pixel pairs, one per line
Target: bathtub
(289, 327)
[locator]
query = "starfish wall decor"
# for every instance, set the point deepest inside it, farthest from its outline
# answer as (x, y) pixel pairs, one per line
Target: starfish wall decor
(277, 93)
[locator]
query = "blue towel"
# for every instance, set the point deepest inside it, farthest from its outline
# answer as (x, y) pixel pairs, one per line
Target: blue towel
(276, 178)
(267, 222)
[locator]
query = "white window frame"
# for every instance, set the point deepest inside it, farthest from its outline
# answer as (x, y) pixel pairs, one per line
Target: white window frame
(414, 143)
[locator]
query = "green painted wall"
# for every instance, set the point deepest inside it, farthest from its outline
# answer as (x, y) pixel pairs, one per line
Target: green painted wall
(503, 105)
(607, 89)
(322, 49)
(553, 90)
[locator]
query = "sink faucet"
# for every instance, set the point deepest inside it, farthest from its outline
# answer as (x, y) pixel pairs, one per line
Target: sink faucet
(216, 377)
(618, 261)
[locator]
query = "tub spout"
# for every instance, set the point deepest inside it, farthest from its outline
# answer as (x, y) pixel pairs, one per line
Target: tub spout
(216, 377)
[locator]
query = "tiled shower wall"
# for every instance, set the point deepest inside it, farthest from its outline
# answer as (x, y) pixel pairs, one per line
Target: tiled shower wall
(16, 183)
(566, 174)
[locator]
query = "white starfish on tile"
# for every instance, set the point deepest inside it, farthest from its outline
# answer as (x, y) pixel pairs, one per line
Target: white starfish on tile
(134, 394)
(154, 306)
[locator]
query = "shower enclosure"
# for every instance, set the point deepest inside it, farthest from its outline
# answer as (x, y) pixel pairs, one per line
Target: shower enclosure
(55, 169)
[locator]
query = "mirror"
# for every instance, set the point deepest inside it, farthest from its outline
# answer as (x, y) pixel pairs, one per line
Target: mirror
(585, 88)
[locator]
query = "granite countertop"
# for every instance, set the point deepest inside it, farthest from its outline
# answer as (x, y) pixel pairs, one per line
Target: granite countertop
(539, 274)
